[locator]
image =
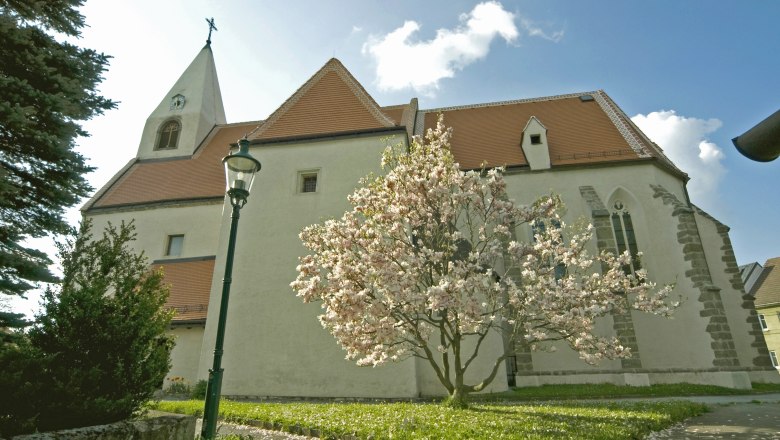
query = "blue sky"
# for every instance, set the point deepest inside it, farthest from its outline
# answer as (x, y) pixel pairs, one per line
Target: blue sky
(692, 74)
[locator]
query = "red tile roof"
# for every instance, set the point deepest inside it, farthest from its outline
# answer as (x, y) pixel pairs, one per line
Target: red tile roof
(577, 131)
(332, 101)
(199, 176)
(190, 283)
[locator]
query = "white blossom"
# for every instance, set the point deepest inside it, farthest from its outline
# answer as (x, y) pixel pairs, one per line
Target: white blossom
(415, 265)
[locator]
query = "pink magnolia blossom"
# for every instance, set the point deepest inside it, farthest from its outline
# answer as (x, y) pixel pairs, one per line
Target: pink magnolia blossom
(427, 258)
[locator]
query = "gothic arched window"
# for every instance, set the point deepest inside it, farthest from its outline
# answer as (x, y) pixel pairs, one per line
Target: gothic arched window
(625, 239)
(169, 135)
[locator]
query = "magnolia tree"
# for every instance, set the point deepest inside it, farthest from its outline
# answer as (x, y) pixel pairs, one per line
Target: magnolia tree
(427, 264)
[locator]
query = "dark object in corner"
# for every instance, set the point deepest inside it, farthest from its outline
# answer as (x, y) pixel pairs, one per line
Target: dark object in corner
(762, 142)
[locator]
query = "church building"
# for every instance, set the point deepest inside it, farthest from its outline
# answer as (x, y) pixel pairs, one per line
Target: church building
(314, 149)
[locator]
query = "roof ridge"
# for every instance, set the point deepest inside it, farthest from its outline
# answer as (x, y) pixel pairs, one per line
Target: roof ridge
(618, 118)
(509, 102)
(626, 121)
(236, 124)
(335, 66)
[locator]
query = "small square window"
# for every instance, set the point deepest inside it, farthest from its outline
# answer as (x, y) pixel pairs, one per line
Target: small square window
(307, 181)
(175, 243)
(762, 321)
(536, 139)
(773, 356)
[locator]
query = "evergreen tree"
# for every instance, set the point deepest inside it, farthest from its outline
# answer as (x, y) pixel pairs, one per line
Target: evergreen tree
(101, 336)
(47, 87)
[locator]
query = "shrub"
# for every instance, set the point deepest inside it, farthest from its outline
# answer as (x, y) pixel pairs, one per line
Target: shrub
(22, 368)
(177, 385)
(99, 350)
(199, 390)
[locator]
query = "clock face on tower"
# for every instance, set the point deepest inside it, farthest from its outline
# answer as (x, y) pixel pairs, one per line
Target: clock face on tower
(177, 102)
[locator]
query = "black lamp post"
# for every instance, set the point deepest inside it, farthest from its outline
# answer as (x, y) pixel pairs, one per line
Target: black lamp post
(240, 169)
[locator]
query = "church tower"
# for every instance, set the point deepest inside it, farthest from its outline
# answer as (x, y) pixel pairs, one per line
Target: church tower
(187, 113)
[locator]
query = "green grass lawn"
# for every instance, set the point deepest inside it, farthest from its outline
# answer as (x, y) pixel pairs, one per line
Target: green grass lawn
(601, 391)
(551, 420)
(546, 412)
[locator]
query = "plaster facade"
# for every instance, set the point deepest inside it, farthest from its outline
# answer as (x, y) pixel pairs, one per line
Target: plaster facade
(274, 344)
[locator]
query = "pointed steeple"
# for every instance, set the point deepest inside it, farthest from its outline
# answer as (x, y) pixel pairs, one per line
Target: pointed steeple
(187, 113)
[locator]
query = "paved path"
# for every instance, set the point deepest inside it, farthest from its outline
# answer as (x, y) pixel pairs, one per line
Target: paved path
(750, 417)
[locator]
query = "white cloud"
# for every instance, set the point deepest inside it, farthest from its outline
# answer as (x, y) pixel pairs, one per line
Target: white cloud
(403, 63)
(535, 31)
(684, 140)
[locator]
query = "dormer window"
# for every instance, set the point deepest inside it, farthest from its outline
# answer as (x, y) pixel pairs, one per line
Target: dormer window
(169, 135)
(534, 145)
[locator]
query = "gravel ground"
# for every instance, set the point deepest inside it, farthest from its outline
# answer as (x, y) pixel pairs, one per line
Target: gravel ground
(251, 431)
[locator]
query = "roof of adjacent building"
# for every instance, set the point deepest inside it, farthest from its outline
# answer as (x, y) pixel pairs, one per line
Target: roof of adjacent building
(190, 284)
(583, 128)
(768, 284)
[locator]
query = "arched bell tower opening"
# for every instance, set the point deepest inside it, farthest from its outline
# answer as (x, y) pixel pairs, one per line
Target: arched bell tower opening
(168, 135)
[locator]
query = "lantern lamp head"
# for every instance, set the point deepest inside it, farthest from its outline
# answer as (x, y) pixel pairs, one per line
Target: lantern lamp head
(240, 169)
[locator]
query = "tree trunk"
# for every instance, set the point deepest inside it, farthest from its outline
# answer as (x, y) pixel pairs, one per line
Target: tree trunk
(458, 398)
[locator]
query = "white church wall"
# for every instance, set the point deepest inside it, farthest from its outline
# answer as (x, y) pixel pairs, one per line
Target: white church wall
(660, 345)
(274, 344)
(490, 350)
(186, 353)
(198, 224)
(738, 318)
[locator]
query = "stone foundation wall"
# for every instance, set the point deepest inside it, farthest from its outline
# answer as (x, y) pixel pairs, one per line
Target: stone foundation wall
(159, 427)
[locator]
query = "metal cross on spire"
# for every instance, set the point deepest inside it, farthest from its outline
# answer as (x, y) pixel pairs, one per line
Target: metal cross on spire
(212, 27)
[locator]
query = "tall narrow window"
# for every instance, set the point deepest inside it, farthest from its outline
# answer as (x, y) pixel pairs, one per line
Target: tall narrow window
(762, 321)
(169, 135)
(174, 245)
(773, 356)
(625, 239)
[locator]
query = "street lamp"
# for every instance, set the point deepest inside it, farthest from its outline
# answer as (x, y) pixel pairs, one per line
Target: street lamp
(240, 169)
